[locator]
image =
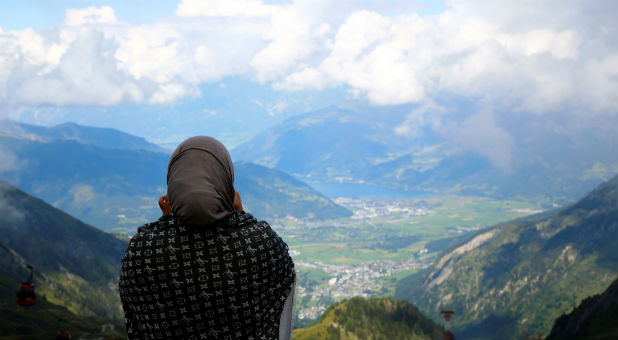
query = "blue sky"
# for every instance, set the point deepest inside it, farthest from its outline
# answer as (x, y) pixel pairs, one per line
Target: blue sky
(42, 14)
(167, 70)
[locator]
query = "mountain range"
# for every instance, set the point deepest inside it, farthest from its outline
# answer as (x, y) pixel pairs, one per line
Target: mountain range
(268, 192)
(117, 188)
(76, 273)
(112, 179)
(505, 281)
(518, 277)
(76, 270)
(353, 146)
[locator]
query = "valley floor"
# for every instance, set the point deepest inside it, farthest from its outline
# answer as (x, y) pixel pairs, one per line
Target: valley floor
(385, 240)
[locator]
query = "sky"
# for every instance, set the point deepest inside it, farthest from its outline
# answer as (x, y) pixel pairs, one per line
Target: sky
(166, 70)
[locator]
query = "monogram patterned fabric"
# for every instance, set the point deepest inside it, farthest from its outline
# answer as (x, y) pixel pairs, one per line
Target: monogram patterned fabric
(224, 281)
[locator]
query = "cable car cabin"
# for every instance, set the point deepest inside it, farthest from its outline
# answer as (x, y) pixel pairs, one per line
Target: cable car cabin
(25, 294)
(63, 335)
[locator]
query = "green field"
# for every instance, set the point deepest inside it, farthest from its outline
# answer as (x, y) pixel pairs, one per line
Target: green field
(404, 231)
(396, 237)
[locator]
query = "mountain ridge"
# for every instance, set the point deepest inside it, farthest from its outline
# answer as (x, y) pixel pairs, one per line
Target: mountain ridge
(375, 318)
(76, 270)
(64, 251)
(117, 189)
(107, 138)
(518, 277)
(355, 149)
(263, 188)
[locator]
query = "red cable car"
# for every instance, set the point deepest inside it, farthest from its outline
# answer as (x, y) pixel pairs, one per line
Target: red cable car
(63, 335)
(25, 293)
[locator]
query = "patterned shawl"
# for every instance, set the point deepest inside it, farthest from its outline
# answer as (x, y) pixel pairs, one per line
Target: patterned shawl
(227, 281)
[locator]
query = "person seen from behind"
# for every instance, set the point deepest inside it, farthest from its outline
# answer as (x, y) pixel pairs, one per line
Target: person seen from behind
(206, 269)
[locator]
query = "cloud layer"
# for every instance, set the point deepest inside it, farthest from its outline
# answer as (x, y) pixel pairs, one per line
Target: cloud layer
(534, 56)
(542, 58)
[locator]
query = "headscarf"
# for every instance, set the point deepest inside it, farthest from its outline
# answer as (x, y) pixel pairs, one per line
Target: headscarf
(200, 181)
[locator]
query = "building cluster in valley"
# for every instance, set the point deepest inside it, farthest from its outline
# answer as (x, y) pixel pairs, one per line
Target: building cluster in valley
(367, 209)
(350, 280)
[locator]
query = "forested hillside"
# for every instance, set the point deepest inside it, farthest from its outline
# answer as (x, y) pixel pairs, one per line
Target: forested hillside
(371, 319)
(109, 182)
(519, 277)
(76, 268)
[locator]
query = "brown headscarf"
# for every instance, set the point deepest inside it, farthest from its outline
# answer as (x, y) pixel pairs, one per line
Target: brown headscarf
(200, 181)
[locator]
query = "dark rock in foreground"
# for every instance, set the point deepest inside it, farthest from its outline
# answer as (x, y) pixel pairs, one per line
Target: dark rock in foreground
(595, 318)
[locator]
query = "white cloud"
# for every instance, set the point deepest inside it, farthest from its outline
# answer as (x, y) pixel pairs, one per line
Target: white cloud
(169, 92)
(210, 112)
(9, 212)
(157, 50)
(429, 114)
(294, 35)
(599, 77)
(97, 60)
(273, 108)
(538, 56)
(410, 59)
(480, 133)
(8, 161)
(277, 107)
(89, 15)
(85, 74)
(242, 8)
(369, 56)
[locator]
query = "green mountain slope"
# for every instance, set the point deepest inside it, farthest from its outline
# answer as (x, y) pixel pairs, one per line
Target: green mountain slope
(77, 266)
(518, 277)
(112, 189)
(324, 144)
(272, 193)
(359, 318)
(595, 318)
(118, 189)
(42, 322)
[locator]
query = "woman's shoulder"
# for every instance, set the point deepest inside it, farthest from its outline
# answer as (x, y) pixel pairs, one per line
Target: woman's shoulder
(171, 224)
(163, 223)
(237, 219)
(243, 221)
